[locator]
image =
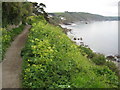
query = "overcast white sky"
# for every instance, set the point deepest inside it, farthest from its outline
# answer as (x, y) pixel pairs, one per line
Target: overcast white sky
(102, 7)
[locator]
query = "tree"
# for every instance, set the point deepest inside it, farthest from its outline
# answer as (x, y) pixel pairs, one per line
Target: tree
(14, 12)
(39, 10)
(26, 10)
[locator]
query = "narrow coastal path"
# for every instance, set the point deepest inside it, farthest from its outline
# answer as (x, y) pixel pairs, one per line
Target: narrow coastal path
(11, 65)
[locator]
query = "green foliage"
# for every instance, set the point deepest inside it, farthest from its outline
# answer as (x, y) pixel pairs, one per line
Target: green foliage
(111, 78)
(99, 59)
(32, 19)
(52, 60)
(86, 51)
(39, 10)
(14, 12)
(112, 67)
(8, 36)
(26, 10)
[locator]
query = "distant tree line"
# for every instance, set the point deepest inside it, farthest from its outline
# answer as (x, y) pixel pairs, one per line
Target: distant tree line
(15, 12)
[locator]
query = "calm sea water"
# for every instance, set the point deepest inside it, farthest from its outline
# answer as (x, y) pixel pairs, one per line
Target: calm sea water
(101, 37)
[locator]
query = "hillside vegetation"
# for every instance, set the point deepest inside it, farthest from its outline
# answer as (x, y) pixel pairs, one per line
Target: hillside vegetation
(52, 60)
(14, 14)
(8, 36)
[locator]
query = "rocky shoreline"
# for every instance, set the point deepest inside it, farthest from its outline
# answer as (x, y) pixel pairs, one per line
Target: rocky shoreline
(65, 30)
(113, 58)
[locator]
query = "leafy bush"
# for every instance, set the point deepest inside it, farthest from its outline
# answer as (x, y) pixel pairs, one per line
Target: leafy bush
(32, 19)
(103, 71)
(86, 51)
(52, 60)
(99, 59)
(112, 67)
(8, 36)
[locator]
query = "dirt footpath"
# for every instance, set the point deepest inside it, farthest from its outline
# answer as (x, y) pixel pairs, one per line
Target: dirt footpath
(11, 65)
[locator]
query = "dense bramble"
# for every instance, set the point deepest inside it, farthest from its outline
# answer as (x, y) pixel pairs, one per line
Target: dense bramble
(52, 60)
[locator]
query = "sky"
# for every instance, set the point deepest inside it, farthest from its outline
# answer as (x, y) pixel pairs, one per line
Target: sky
(101, 7)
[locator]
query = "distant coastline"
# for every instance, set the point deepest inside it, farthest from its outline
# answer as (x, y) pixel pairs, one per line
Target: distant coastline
(70, 17)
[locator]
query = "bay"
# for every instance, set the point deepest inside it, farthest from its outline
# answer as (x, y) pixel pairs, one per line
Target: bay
(101, 36)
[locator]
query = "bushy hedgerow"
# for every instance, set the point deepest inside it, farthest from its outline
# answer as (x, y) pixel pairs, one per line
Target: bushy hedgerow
(8, 36)
(99, 59)
(112, 66)
(86, 52)
(52, 60)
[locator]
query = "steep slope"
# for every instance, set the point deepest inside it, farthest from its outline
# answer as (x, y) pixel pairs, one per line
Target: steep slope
(52, 60)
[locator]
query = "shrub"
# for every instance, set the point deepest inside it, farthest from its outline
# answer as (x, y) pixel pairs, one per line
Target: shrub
(86, 51)
(103, 71)
(112, 67)
(32, 19)
(99, 59)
